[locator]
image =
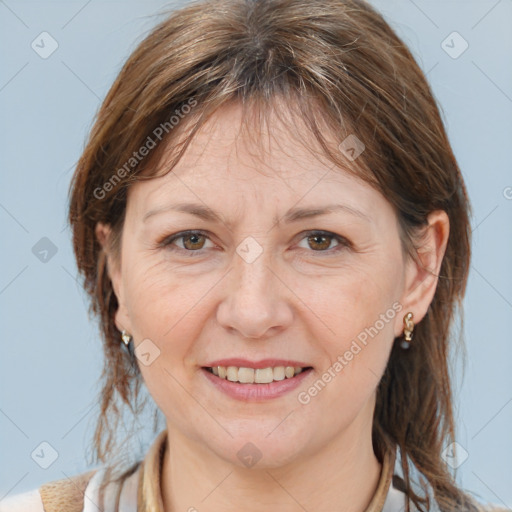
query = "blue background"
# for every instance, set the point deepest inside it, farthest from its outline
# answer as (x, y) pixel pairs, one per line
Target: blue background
(51, 354)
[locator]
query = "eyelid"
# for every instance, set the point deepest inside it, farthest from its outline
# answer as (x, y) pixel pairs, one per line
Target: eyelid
(343, 242)
(167, 240)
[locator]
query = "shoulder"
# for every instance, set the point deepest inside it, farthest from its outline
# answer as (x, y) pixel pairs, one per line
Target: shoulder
(29, 501)
(64, 494)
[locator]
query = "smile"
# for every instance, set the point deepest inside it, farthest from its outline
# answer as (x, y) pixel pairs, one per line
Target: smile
(255, 375)
(255, 384)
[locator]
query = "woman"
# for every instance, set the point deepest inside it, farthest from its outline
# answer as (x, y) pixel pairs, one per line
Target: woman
(274, 233)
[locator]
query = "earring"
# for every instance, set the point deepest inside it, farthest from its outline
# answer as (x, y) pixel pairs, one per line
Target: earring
(408, 328)
(126, 337)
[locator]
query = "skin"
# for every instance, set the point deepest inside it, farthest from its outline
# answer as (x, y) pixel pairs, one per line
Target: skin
(300, 299)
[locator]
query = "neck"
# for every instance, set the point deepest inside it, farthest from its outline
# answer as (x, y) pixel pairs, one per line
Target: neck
(342, 476)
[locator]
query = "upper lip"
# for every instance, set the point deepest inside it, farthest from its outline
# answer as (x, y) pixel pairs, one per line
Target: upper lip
(262, 363)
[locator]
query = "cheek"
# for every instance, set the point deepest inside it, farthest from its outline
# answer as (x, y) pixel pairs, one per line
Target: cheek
(170, 305)
(360, 310)
(166, 307)
(169, 311)
(355, 300)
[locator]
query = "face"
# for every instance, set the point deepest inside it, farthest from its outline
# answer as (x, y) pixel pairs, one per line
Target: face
(260, 283)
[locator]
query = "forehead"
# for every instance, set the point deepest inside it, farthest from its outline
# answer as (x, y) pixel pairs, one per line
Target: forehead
(268, 139)
(233, 161)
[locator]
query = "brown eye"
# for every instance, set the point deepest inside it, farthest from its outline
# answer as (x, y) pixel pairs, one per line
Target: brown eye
(193, 241)
(320, 242)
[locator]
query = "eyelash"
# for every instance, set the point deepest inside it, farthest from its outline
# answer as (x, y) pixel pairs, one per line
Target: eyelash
(343, 243)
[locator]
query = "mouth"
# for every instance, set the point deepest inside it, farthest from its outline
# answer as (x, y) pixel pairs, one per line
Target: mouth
(244, 375)
(256, 381)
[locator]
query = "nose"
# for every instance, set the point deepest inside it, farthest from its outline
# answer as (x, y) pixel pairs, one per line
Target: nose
(256, 300)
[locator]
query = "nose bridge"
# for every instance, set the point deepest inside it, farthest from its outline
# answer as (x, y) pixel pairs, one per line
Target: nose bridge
(253, 268)
(254, 302)
(253, 275)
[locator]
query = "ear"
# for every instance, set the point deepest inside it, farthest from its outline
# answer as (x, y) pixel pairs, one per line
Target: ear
(422, 272)
(104, 235)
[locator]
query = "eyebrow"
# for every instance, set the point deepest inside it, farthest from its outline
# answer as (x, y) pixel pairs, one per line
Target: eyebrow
(293, 215)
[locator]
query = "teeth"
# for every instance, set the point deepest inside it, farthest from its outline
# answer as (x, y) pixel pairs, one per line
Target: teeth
(258, 376)
(232, 373)
(263, 375)
(246, 375)
(279, 373)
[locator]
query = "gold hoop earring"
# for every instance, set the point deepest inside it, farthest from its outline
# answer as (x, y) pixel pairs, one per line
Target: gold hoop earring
(408, 329)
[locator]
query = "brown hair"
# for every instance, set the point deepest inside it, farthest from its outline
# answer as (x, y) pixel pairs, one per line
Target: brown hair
(340, 65)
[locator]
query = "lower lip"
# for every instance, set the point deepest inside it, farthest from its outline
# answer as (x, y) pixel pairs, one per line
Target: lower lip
(256, 392)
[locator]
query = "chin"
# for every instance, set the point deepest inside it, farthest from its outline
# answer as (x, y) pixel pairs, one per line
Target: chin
(261, 446)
